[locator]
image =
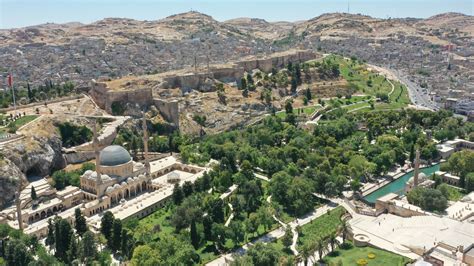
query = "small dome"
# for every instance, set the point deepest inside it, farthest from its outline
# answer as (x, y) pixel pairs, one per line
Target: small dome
(422, 176)
(109, 189)
(466, 199)
(114, 155)
(116, 186)
(129, 180)
(88, 172)
(123, 183)
(105, 177)
(173, 175)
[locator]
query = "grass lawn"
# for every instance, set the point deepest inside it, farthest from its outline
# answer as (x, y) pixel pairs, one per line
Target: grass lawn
(454, 193)
(351, 255)
(356, 105)
(24, 119)
(18, 123)
(320, 227)
(304, 110)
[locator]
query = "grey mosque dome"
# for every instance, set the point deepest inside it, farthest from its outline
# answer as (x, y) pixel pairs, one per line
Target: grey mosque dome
(114, 155)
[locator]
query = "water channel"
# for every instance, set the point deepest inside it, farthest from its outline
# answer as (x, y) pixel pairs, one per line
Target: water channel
(398, 186)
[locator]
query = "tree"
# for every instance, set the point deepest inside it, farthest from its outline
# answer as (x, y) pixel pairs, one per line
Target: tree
(194, 235)
(469, 182)
(178, 194)
(63, 233)
(207, 224)
(80, 221)
(298, 74)
(107, 223)
(289, 107)
(200, 120)
(87, 247)
(188, 188)
(50, 238)
(264, 255)
(127, 244)
(320, 245)
(30, 93)
(344, 229)
(287, 239)
(332, 241)
(145, 255)
(72, 250)
(16, 253)
(428, 199)
(294, 85)
(306, 252)
(116, 242)
(308, 94)
(243, 84)
(33, 193)
(216, 210)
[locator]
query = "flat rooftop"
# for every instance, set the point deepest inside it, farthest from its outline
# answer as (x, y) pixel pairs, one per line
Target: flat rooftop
(388, 231)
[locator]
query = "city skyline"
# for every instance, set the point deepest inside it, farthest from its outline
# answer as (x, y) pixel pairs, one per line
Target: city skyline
(24, 13)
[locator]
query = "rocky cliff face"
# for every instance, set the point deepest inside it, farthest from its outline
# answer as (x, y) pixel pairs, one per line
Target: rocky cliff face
(37, 154)
(10, 178)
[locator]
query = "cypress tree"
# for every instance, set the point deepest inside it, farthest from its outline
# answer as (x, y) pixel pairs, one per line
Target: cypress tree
(194, 235)
(207, 223)
(178, 194)
(88, 247)
(50, 238)
(33, 193)
(243, 83)
(72, 249)
(63, 235)
(30, 93)
(106, 225)
(81, 225)
(116, 242)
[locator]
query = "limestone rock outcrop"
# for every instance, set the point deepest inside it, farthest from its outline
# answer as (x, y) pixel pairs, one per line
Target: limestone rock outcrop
(37, 154)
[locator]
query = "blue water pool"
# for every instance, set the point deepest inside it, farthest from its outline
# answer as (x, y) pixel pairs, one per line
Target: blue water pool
(398, 185)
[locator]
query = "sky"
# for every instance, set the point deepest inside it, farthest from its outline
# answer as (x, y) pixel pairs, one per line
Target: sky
(21, 13)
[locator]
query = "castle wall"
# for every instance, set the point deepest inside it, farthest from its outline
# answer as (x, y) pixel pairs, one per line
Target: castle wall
(169, 110)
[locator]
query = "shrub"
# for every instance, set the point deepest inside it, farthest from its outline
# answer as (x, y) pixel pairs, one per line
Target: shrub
(362, 262)
(371, 256)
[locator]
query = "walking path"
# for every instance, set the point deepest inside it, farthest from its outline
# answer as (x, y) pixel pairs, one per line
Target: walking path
(231, 216)
(262, 177)
(275, 234)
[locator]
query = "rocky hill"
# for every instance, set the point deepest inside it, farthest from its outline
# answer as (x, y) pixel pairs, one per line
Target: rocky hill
(117, 47)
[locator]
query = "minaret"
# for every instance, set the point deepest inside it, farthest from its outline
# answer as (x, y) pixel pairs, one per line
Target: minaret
(145, 144)
(417, 168)
(18, 208)
(97, 155)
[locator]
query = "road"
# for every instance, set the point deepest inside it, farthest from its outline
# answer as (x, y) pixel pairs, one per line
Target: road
(417, 97)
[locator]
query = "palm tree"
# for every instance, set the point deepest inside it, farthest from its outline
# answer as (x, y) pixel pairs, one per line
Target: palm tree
(306, 252)
(332, 240)
(320, 246)
(344, 229)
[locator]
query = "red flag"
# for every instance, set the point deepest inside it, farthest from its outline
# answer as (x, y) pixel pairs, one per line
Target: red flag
(10, 80)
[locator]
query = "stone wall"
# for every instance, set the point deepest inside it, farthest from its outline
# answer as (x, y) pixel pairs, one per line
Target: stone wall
(169, 110)
(276, 61)
(235, 71)
(104, 97)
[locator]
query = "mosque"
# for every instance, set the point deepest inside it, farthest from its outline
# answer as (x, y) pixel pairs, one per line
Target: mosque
(118, 184)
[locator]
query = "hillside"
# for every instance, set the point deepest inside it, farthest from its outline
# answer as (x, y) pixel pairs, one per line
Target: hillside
(117, 47)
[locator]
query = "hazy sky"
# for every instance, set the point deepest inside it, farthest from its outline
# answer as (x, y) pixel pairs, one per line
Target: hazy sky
(20, 13)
